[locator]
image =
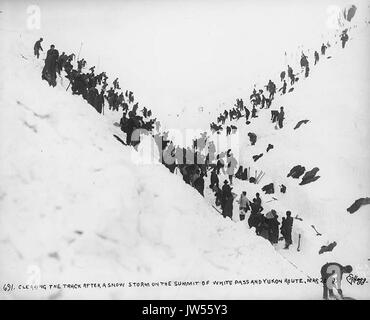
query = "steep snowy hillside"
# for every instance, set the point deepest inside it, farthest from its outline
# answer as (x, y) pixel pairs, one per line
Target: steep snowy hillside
(335, 100)
(75, 208)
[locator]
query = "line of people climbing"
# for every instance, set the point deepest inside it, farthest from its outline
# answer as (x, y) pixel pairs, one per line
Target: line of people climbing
(93, 88)
(87, 84)
(264, 99)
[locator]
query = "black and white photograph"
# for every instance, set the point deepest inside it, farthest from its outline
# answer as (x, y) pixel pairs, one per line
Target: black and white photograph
(184, 150)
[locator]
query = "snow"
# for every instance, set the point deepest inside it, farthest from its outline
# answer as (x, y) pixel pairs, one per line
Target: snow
(77, 206)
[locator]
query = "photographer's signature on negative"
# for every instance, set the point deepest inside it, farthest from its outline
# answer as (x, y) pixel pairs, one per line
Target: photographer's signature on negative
(353, 279)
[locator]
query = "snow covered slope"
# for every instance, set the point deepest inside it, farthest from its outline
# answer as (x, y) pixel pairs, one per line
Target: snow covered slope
(74, 207)
(335, 99)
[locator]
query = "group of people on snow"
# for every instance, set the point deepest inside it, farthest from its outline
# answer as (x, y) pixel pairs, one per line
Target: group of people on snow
(267, 225)
(93, 88)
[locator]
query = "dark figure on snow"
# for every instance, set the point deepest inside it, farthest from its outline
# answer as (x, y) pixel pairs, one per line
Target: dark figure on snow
(218, 195)
(129, 129)
(274, 115)
(116, 84)
(286, 229)
(68, 67)
(323, 49)
(228, 207)
(61, 62)
(304, 62)
(219, 165)
(283, 88)
(131, 97)
(282, 75)
(37, 47)
(228, 130)
(50, 68)
(258, 199)
(331, 276)
(226, 193)
(252, 138)
(81, 64)
(282, 188)
(227, 200)
(317, 57)
(264, 100)
(307, 71)
(269, 147)
(247, 114)
(256, 218)
(100, 102)
(257, 156)
(239, 173)
(254, 112)
(273, 226)
(281, 117)
(214, 179)
(271, 88)
(344, 38)
(291, 75)
(255, 98)
(199, 184)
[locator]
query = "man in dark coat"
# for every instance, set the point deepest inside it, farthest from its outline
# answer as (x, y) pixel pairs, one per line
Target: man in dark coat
(61, 62)
(130, 126)
(271, 88)
(50, 68)
(226, 193)
(317, 57)
(199, 184)
(218, 194)
(273, 226)
(219, 165)
(286, 229)
(256, 218)
(214, 179)
(37, 47)
(226, 189)
(227, 210)
(344, 38)
(281, 117)
(291, 75)
(282, 75)
(258, 199)
(247, 114)
(100, 102)
(323, 49)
